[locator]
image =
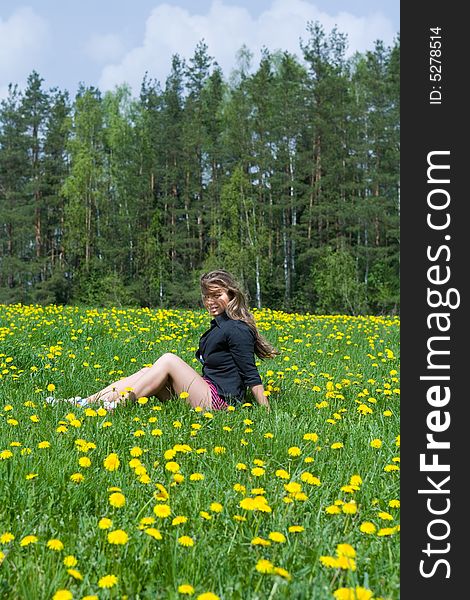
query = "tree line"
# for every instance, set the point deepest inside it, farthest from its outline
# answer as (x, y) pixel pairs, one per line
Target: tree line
(286, 174)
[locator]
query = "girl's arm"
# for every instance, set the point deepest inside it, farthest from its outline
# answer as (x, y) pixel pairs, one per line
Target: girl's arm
(258, 393)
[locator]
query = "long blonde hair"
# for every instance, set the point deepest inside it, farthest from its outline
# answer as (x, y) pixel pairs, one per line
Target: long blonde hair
(237, 307)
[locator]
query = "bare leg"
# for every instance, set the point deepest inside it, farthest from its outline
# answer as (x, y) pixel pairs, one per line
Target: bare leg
(168, 370)
(120, 386)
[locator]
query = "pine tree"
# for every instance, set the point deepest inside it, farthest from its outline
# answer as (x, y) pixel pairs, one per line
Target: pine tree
(15, 215)
(35, 106)
(55, 163)
(85, 190)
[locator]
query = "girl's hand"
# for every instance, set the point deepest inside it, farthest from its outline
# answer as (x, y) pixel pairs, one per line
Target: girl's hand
(261, 399)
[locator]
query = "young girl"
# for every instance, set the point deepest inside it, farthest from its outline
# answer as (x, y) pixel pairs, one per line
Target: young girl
(226, 352)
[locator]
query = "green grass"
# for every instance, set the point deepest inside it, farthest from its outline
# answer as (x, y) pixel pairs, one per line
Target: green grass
(327, 368)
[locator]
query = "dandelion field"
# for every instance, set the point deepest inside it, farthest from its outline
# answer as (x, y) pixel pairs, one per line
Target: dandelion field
(158, 500)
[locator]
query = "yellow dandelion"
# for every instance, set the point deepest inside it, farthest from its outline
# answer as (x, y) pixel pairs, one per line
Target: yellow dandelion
(117, 499)
(282, 573)
(277, 536)
(179, 520)
(172, 467)
(356, 480)
(384, 531)
(216, 507)
(70, 561)
(337, 445)
(294, 451)
(310, 479)
(264, 566)
(349, 508)
(6, 538)
(186, 541)
(118, 537)
(62, 594)
(162, 511)
(152, 532)
(145, 522)
(111, 462)
(367, 527)
(162, 494)
(357, 593)
(75, 574)
(346, 563)
(105, 523)
(107, 581)
(296, 529)
(329, 561)
(345, 550)
(28, 539)
(55, 544)
(186, 589)
(292, 487)
(259, 541)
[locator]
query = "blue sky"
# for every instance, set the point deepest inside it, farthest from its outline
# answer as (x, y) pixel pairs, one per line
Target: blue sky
(107, 42)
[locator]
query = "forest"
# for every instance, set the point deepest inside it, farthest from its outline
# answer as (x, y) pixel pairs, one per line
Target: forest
(285, 173)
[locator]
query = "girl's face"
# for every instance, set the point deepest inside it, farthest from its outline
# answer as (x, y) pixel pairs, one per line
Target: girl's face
(216, 301)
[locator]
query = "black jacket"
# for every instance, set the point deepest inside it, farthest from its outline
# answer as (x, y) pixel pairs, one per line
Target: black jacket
(226, 351)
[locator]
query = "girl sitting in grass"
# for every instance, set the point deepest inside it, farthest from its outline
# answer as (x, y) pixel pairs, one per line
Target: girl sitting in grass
(226, 351)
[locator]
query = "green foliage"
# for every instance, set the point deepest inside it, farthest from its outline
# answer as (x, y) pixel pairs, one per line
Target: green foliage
(335, 283)
(260, 174)
(94, 287)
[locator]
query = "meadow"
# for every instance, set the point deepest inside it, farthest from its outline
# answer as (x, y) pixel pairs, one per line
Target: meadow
(162, 501)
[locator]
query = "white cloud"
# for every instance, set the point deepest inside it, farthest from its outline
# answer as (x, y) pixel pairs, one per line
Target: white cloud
(22, 38)
(104, 48)
(173, 30)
